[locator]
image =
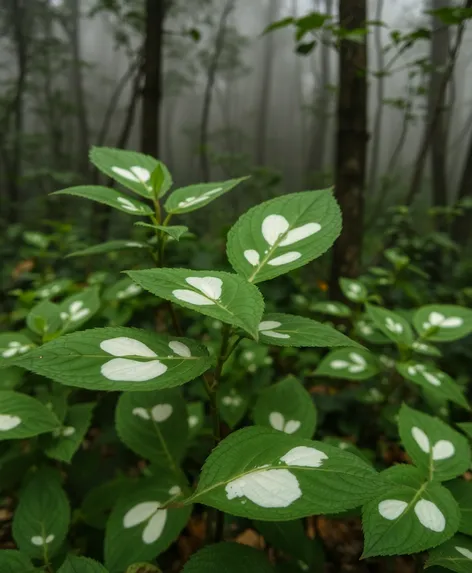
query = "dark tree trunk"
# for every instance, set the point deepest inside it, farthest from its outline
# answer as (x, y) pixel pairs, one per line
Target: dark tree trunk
(152, 68)
(351, 145)
(208, 95)
(439, 58)
(461, 228)
(266, 80)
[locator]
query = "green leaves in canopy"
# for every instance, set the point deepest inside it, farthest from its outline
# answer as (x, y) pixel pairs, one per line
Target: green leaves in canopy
(462, 493)
(41, 519)
(287, 407)
(133, 170)
(393, 325)
(466, 427)
(283, 234)
(154, 425)
(358, 364)
(12, 561)
(411, 516)
(118, 359)
(174, 231)
(195, 418)
(290, 330)
(75, 564)
(232, 404)
(77, 309)
(438, 450)
(44, 318)
(331, 308)
(443, 322)
(53, 288)
(66, 439)
(365, 329)
(228, 557)
(353, 289)
(224, 296)
(14, 344)
(265, 474)
(122, 289)
(108, 247)
(138, 529)
(455, 555)
(109, 197)
(22, 416)
(194, 197)
(433, 380)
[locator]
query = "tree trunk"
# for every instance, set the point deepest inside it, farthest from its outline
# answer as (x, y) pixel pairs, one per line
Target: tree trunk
(318, 145)
(461, 226)
(375, 140)
(351, 145)
(152, 90)
(78, 89)
(433, 118)
(439, 58)
(263, 107)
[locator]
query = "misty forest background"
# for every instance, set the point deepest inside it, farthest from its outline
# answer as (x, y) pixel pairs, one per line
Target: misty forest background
(371, 96)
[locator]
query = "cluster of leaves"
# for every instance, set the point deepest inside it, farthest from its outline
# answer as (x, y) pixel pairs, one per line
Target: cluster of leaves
(268, 469)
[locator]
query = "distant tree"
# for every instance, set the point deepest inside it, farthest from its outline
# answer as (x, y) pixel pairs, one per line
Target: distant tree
(351, 142)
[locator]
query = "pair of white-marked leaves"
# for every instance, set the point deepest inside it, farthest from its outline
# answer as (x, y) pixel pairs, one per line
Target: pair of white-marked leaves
(76, 311)
(278, 422)
(357, 364)
(427, 512)
(437, 319)
(15, 347)
(441, 450)
(276, 231)
(443, 322)
(209, 287)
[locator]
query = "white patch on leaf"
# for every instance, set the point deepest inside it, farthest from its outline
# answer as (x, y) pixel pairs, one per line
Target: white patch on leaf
(149, 512)
(300, 233)
(175, 490)
(192, 421)
(125, 369)
(232, 401)
(393, 326)
(252, 257)
(442, 450)
(180, 348)
(161, 412)
(438, 319)
(135, 173)
(9, 422)
(285, 259)
(273, 226)
(304, 456)
(357, 365)
(190, 201)
(267, 327)
(392, 508)
(141, 413)
(130, 290)
(266, 488)
(40, 540)
(126, 204)
(277, 421)
(430, 515)
(467, 553)
(210, 287)
(421, 439)
(14, 348)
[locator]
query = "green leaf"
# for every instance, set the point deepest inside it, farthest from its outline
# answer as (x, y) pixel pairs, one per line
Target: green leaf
(290, 330)
(118, 359)
(10, 378)
(194, 197)
(353, 289)
(424, 348)
(287, 407)
(77, 309)
(443, 322)
(280, 24)
(393, 325)
(411, 516)
(283, 234)
(12, 561)
(53, 288)
(158, 177)
(224, 296)
(108, 247)
(67, 439)
(13, 344)
(74, 564)
(44, 318)
(331, 308)
(232, 405)
(365, 329)
(22, 416)
(137, 529)
(174, 231)
(41, 519)
(455, 555)
(433, 380)
(462, 493)
(228, 557)
(110, 197)
(99, 501)
(35, 239)
(195, 418)
(122, 289)
(438, 450)
(466, 427)
(349, 364)
(154, 424)
(264, 474)
(133, 170)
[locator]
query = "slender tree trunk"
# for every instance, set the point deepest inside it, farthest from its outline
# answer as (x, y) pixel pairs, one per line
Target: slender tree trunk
(375, 140)
(439, 57)
(263, 107)
(461, 228)
(152, 90)
(208, 95)
(435, 114)
(78, 89)
(351, 145)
